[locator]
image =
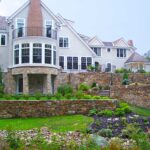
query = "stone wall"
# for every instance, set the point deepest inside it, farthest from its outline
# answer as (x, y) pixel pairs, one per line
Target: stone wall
(23, 109)
(100, 78)
(136, 95)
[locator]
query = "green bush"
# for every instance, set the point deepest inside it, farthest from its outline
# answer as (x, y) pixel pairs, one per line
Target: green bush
(84, 87)
(93, 85)
(119, 112)
(87, 97)
(79, 94)
(125, 107)
(65, 89)
(97, 97)
(38, 95)
(106, 112)
(122, 70)
(93, 112)
(141, 71)
(105, 133)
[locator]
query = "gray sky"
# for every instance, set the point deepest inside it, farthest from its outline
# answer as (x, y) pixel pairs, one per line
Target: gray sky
(108, 19)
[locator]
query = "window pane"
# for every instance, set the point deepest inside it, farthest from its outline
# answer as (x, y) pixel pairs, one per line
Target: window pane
(118, 54)
(89, 61)
(48, 55)
(3, 40)
(61, 42)
(125, 52)
(69, 62)
(61, 61)
(37, 55)
(25, 55)
(75, 62)
(16, 57)
(65, 42)
(83, 63)
(54, 57)
(121, 52)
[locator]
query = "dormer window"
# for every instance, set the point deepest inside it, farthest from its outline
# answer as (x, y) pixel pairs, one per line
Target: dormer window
(97, 50)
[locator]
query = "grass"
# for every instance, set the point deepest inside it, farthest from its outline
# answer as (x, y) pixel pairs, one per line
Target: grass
(55, 124)
(141, 111)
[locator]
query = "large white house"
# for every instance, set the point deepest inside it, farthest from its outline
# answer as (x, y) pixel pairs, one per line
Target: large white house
(35, 44)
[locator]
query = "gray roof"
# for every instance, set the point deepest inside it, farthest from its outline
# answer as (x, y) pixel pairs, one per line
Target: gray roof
(3, 23)
(108, 44)
(135, 57)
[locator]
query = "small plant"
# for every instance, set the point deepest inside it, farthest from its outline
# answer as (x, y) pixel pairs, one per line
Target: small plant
(38, 95)
(79, 94)
(125, 79)
(106, 112)
(119, 112)
(65, 89)
(84, 87)
(105, 133)
(93, 112)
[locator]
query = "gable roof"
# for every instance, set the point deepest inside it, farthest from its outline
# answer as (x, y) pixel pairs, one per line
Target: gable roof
(109, 44)
(95, 42)
(135, 57)
(120, 43)
(3, 23)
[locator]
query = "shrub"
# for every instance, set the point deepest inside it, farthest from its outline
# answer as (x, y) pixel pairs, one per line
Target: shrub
(7, 97)
(122, 70)
(97, 97)
(105, 133)
(79, 94)
(93, 85)
(93, 112)
(87, 97)
(119, 112)
(38, 95)
(84, 87)
(58, 96)
(65, 89)
(125, 80)
(106, 112)
(125, 107)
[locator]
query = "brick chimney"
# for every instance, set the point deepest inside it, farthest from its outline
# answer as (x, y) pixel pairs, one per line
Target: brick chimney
(35, 19)
(130, 43)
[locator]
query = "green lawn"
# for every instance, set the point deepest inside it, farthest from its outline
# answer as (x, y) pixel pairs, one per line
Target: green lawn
(140, 111)
(55, 124)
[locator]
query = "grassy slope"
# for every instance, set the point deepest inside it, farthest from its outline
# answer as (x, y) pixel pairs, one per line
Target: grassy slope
(140, 111)
(56, 124)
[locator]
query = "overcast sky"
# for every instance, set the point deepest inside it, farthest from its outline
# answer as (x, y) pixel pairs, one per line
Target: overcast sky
(108, 19)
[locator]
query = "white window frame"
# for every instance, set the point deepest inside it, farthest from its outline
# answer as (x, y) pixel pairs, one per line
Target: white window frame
(124, 56)
(99, 49)
(1, 34)
(23, 23)
(63, 42)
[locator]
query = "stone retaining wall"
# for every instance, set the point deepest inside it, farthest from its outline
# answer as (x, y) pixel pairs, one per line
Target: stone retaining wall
(100, 78)
(137, 95)
(23, 109)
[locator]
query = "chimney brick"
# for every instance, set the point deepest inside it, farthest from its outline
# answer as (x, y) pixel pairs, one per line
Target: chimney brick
(130, 43)
(35, 19)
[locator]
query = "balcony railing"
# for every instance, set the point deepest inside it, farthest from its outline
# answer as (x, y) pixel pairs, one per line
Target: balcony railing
(35, 31)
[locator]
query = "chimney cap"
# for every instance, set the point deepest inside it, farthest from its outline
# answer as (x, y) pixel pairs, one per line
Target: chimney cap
(130, 43)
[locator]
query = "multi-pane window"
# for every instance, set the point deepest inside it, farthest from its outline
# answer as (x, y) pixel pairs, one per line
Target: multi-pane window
(25, 52)
(37, 53)
(16, 54)
(72, 63)
(54, 55)
(97, 50)
(20, 27)
(61, 61)
(63, 42)
(2, 39)
(85, 61)
(121, 53)
(49, 29)
(48, 54)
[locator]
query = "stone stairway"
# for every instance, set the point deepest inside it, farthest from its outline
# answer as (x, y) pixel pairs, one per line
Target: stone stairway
(104, 93)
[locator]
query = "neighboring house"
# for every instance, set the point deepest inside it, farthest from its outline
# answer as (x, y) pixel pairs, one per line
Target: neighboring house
(137, 62)
(35, 44)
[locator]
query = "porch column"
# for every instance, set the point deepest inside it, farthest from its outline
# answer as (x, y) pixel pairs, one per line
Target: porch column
(49, 84)
(25, 84)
